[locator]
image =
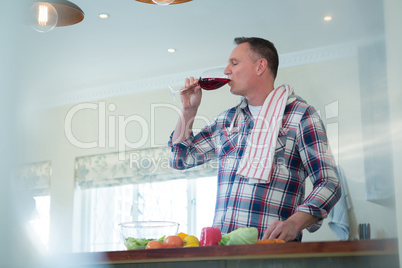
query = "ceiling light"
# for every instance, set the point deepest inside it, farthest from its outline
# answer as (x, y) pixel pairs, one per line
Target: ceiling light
(164, 2)
(327, 18)
(171, 50)
(43, 17)
(47, 14)
(103, 15)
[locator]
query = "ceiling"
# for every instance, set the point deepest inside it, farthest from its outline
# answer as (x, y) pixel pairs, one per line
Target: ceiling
(131, 45)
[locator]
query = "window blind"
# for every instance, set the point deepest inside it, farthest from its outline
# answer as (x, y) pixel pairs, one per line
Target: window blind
(136, 166)
(35, 177)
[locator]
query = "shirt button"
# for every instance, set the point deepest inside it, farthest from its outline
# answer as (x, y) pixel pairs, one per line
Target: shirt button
(280, 161)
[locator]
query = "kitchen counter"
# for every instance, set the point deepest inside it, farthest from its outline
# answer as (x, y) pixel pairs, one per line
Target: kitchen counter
(359, 253)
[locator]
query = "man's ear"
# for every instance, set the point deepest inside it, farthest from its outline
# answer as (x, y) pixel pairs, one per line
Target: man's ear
(262, 66)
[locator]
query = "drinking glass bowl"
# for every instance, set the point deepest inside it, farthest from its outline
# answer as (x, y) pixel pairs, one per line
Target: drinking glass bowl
(133, 233)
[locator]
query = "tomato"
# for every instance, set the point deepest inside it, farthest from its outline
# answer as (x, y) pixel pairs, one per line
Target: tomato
(154, 244)
(173, 241)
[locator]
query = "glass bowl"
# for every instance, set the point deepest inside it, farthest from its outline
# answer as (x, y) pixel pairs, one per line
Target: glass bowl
(137, 234)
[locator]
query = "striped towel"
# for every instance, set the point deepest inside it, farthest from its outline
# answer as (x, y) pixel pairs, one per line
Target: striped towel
(257, 160)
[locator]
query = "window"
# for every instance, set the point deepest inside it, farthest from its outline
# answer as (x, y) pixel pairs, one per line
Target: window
(189, 202)
(111, 189)
(35, 179)
(39, 222)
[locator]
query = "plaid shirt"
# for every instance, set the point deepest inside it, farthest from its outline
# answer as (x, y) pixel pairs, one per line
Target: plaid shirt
(302, 151)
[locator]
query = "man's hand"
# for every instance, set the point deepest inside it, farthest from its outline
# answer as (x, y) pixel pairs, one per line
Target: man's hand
(289, 229)
(191, 100)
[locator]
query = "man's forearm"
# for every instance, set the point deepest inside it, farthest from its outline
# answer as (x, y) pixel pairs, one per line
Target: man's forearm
(302, 220)
(184, 125)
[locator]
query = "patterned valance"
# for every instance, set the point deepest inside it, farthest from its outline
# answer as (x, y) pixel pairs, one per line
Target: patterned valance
(36, 177)
(136, 166)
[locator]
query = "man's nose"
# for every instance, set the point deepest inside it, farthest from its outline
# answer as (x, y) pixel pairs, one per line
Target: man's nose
(227, 70)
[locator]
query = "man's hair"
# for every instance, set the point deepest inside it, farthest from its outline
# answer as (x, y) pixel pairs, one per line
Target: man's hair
(263, 48)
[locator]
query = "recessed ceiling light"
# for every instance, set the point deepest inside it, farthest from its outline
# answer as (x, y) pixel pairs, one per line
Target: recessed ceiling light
(103, 15)
(171, 50)
(328, 18)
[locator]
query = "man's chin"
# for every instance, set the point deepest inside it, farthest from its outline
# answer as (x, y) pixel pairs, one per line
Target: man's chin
(233, 91)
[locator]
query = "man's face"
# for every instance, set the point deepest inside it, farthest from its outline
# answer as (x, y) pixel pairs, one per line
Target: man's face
(241, 70)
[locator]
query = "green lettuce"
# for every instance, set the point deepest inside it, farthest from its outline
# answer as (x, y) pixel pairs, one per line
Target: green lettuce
(139, 243)
(241, 236)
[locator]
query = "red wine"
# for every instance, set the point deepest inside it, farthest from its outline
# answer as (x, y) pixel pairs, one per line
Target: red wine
(213, 83)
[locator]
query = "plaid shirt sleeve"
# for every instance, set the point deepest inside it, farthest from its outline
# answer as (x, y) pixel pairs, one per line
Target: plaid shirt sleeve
(318, 161)
(194, 151)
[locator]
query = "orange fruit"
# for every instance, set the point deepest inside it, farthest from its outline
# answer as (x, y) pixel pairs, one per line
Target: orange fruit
(173, 241)
(154, 244)
(182, 235)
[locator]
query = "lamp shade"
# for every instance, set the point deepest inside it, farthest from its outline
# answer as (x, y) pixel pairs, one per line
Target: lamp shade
(173, 3)
(68, 12)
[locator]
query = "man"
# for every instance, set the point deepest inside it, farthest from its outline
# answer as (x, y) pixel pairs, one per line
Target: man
(266, 147)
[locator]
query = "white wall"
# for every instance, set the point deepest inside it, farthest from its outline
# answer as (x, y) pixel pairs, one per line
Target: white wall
(14, 204)
(393, 20)
(322, 84)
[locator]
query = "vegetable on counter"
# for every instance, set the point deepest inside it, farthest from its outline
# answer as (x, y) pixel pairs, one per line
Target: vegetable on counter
(139, 243)
(271, 241)
(241, 236)
(182, 235)
(210, 236)
(154, 244)
(191, 241)
(173, 241)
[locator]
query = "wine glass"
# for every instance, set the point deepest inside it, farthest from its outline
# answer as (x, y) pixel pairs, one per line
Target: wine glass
(210, 79)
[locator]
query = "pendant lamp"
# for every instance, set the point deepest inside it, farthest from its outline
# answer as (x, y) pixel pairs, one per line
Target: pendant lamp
(164, 2)
(47, 14)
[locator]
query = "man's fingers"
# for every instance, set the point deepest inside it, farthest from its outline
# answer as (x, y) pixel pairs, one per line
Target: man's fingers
(276, 232)
(280, 230)
(271, 228)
